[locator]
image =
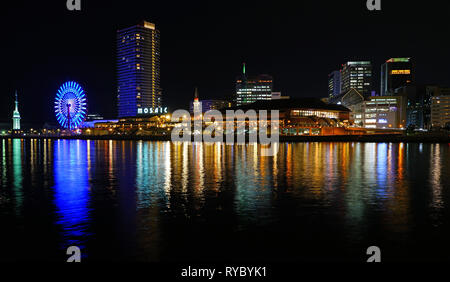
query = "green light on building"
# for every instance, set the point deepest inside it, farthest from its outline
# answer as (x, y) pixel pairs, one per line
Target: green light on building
(398, 60)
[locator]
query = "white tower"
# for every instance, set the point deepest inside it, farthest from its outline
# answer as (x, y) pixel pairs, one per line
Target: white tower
(197, 106)
(16, 116)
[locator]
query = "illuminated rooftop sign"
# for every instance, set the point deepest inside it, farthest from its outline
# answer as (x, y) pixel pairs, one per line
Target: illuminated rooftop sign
(398, 60)
(149, 25)
(359, 63)
(400, 71)
(150, 111)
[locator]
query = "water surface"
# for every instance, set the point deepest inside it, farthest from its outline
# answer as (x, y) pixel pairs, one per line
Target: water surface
(162, 201)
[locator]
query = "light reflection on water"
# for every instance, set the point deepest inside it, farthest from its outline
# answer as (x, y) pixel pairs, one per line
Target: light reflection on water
(138, 196)
(71, 190)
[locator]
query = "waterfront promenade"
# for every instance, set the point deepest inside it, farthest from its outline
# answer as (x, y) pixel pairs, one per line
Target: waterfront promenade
(378, 138)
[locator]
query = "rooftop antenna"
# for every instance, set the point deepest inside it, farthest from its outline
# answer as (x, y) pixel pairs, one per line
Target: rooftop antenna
(17, 102)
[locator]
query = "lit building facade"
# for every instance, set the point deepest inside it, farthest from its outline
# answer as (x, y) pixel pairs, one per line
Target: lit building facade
(202, 106)
(395, 73)
(353, 100)
(440, 108)
(252, 89)
(383, 112)
(306, 116)
(357, 75)
(206, 105)
(334, 84)
(138, 69)
(16, 115)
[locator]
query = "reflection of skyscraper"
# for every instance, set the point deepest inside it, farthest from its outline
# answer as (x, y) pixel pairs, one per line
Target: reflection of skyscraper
(357, 75)
(138, 69)
(395, 73)
(16, 116)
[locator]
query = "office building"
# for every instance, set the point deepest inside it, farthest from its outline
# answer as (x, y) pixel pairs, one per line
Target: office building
(357, 75)
(384, 112)
(138, 69)
(396, 73)
(252, 89)
(334, 84)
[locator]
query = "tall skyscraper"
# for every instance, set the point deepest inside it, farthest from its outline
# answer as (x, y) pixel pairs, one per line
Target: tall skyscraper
(357, 75)
(334, 84)
(16, 116)
(138, 69)
(252, 89)
(395, 73)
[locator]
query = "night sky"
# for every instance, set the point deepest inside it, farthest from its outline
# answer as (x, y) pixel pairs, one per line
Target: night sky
(204, 44)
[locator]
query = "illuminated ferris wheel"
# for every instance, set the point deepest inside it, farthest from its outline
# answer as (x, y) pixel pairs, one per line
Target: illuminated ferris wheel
(70, 105)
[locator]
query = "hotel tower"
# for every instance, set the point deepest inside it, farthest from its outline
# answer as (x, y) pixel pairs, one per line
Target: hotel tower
(138, 69)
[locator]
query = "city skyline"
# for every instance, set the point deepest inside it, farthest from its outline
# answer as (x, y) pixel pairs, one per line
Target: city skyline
(223, 139)
(203, 62)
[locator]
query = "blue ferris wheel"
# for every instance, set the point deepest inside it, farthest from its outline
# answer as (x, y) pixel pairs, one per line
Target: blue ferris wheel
(70, 105)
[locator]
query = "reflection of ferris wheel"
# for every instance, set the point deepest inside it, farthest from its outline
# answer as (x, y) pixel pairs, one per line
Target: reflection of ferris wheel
(70, 105)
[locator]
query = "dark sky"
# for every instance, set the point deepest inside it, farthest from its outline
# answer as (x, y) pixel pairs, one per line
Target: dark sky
(203, 43)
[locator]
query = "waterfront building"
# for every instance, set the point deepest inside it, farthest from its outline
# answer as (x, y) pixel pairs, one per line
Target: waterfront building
(252, 89)
(196, 104)
(385, 112)
(357, 75)
(203, 106)
(396, 73)
(354, 100)
(16, 115)
(334, 84)
(440, 107)
(138, 69)
(349, 98)
(207, 105)
(306, 116)
(154, 125)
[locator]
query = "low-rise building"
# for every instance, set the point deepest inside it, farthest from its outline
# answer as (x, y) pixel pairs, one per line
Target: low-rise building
(306, 116)
(207, 105)
(385, 112)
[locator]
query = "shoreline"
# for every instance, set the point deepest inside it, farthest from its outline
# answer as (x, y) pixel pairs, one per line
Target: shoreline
(382, 138)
